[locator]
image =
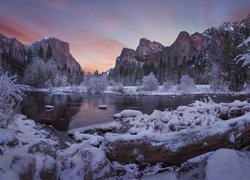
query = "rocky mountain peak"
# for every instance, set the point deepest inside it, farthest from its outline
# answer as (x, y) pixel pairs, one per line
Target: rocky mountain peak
(127, 56)
(246, 21)
(127, 51)
(146, 48)
(60, 52)
(183, 35)
(16, 55)
(13, 47)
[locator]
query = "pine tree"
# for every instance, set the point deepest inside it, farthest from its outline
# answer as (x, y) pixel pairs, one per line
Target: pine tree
(40, 52)
(49, 53)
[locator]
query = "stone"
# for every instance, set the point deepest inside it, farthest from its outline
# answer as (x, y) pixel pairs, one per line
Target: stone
(85, 162)
(96, 165)
(7, 138)
(49, 170)
(24, 166)
(103, 106)
(43, 148)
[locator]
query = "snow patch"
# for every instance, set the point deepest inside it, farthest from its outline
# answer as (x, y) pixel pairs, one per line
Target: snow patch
(228, 164)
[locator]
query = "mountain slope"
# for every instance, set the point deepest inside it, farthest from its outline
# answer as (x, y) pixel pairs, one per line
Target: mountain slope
(196, 55)
(15, 56)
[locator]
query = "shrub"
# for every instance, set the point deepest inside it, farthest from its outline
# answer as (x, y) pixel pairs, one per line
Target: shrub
(96, 84)
(149, 83)
(10, 97)
(187, 84)
(168, 85)
(117, 87)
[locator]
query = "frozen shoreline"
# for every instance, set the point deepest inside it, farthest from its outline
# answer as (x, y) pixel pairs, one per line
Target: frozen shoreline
(133, 91)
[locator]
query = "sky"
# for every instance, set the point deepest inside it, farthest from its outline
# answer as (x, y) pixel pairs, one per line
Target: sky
(97, 30)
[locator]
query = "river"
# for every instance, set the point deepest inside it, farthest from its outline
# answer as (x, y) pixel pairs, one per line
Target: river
(72, 110)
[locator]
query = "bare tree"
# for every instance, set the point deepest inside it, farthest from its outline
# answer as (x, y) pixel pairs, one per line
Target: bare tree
(10, 97)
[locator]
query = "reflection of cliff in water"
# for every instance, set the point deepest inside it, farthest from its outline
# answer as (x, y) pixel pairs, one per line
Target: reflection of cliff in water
(65, 106)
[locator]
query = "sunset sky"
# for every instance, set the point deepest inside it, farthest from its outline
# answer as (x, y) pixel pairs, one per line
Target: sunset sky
(97, 30)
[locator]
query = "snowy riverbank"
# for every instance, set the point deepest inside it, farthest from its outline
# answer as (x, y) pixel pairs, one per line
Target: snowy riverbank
(175, 142)
(137, 91)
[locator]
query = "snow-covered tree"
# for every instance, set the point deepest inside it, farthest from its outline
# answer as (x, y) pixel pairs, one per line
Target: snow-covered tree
(40, 73)
(168, 85)
(217, 83)
(36, 73)
(117, 87)
(187, 84)
(96, 84)
(10, 97)
(1, 70)
(244, 59)
(56, 78)
(149, 83)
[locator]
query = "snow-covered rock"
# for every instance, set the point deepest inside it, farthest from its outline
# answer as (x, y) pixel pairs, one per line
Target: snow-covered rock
(103, 106)
(197, 114)
(84, 162)
(43, 148)
(228, 164)
(128, 113)
(48, 168)
(49, 108)
(101, 127)
(24, 166)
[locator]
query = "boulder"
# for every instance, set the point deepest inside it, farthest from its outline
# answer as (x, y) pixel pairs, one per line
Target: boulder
(7, 138)
(85, 162)
(43, 148)
(24, 166)
(48, 170)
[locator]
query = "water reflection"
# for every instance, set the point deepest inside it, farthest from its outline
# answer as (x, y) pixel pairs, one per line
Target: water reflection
(65, 106)
(77, 110)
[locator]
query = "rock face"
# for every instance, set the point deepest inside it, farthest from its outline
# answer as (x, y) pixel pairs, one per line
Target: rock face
(60, 52)
(146, 48)
(13, 47)
(193, 54)
(15, 56)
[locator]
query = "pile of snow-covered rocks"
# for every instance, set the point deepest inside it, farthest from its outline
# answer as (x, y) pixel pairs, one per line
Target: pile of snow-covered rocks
(30, 151)
(136, 145)
(184, 117)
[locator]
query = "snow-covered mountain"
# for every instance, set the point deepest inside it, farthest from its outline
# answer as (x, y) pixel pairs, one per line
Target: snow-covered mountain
(14, 54)
(194, 54)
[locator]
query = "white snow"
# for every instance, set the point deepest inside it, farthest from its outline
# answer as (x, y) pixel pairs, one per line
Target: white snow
(128, 113)
(228, 164)
(101, 126)
(161, 176)
(48, 37)
(87, 154)
(104, 106)
(157, 131)
(198, 114)
(246, 42)
(135, 90)
(27, 133)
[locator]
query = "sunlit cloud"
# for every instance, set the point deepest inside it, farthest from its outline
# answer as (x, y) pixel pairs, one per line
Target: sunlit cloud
(15, 29)
(239, 14)
(98, 30)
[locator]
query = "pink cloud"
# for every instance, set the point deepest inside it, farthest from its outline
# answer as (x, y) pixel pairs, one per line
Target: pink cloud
(240, 14)
(56, 4)
(15, 29)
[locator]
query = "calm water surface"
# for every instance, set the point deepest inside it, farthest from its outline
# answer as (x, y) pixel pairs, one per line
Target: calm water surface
(77, 110)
